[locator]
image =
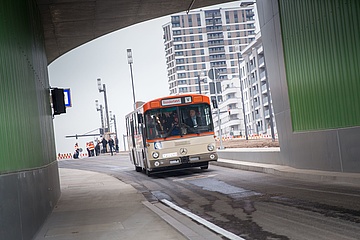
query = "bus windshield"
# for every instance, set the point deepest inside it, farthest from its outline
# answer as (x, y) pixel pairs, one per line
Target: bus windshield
(178, 121)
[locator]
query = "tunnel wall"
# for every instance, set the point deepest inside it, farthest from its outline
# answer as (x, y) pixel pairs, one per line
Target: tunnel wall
(29, 178)
(312, 58)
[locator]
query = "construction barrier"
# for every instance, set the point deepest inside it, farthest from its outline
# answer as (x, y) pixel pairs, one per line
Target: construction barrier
(62, 156)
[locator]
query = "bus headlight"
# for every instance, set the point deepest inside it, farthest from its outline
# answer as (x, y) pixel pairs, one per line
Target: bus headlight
(155, 154)
(210, 147)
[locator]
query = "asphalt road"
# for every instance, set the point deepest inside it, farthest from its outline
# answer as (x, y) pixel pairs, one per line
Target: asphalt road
(249, 204)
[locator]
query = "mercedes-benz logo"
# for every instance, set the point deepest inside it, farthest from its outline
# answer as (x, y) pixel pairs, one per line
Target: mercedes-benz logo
(183, 151)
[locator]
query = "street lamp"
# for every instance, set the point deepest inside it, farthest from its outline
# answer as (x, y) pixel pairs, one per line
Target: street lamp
(130, 62)
(214, 75)
(241, 90)
(100, 108)
(112, 117)
(103, 89)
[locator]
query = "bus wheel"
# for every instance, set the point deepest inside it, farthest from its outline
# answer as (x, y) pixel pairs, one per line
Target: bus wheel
(205, 167)
(138, 169)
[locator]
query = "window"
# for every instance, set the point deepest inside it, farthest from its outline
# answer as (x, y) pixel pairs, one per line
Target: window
(176, 121)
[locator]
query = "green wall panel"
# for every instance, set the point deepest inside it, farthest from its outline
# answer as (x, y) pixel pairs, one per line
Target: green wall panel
(26, 128)
(322, 51)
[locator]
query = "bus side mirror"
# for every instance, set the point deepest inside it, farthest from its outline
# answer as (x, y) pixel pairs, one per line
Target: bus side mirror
(140, 118)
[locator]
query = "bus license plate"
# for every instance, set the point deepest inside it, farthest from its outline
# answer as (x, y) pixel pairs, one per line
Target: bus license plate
(167, 155)
(174, 161)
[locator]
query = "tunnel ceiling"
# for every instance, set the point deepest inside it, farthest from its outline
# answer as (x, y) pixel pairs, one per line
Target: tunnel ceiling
(70, 23)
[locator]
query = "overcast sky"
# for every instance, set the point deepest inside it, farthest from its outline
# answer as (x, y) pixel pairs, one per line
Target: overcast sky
(106, 58)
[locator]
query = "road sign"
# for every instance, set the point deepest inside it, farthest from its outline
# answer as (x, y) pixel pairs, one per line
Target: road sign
(67, 97)
(211, 74)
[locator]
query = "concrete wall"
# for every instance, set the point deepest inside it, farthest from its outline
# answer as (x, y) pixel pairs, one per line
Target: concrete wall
(335, 149)
(29, 178)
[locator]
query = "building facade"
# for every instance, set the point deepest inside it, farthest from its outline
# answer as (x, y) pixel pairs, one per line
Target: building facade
(259, 115)
(211, 39)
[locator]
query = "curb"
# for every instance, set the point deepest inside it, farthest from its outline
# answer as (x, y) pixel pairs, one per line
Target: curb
(285, 171)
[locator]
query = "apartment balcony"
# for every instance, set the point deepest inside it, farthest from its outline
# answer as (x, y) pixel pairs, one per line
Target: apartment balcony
(215, 36)
(260, 50)
(232, 100)
(263, 89)
(215, 57)
(235, 111)
(229, 90)
(216, 43)
(267, 113)
(262, 62)
(266, 101)
(263, 76)
(211, 14)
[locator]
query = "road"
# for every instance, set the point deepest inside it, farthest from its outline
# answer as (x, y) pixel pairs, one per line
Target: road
(249, 204)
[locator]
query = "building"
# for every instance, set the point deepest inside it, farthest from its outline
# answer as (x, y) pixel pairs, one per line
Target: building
(204, 39)
(256, 90)
(207, 39)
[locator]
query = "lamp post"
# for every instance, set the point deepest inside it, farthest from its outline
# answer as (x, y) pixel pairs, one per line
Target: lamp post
(112, 117)
(100, 108)
(103, 89)
(214, 75)
(130, 62)
(242, 96)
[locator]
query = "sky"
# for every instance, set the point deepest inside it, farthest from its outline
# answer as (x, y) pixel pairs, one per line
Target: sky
(106, 58)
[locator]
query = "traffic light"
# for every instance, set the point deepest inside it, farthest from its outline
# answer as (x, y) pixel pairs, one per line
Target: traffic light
(58, 101)
(214, 102)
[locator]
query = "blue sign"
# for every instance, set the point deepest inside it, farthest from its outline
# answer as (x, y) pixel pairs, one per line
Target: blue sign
(67, 97)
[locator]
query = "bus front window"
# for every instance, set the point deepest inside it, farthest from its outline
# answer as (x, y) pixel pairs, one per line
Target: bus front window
(178, 121)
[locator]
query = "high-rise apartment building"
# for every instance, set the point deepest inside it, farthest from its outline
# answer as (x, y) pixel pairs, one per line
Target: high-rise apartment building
(211, 39)
(205, 39)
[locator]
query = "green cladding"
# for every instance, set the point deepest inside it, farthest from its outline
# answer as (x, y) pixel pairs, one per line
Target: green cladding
(26, 129)
(322, 51)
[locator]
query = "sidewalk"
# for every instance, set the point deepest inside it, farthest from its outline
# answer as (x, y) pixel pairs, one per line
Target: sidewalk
(294, 173)
(96, 206)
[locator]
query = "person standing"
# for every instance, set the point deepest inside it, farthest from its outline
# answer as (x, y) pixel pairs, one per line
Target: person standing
(111, 145)
(88, 149)
(97, 148)
(116, 144)
(91, 148)
(76, 154)
(104, 143)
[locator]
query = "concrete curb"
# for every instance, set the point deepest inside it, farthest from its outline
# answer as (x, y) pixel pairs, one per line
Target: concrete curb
(285, 171)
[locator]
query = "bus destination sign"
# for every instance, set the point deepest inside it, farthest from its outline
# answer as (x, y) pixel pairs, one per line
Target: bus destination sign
(174, 101)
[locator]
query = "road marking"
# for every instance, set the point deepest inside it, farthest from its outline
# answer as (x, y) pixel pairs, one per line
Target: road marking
(202, 221)
(196, 176)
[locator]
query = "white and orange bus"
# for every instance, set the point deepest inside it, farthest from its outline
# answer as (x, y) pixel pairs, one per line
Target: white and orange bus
(171, 133)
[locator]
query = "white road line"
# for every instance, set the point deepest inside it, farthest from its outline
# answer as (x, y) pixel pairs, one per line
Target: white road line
(202, 221)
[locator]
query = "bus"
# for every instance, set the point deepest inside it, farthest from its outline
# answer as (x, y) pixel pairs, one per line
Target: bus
(171, 133)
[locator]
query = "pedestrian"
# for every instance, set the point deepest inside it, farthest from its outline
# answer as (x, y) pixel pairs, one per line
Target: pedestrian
(91, 148)
(88, 149)
(97, 148)
(111, 145)
(104, 143)
(76, 154)
(116, 144)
